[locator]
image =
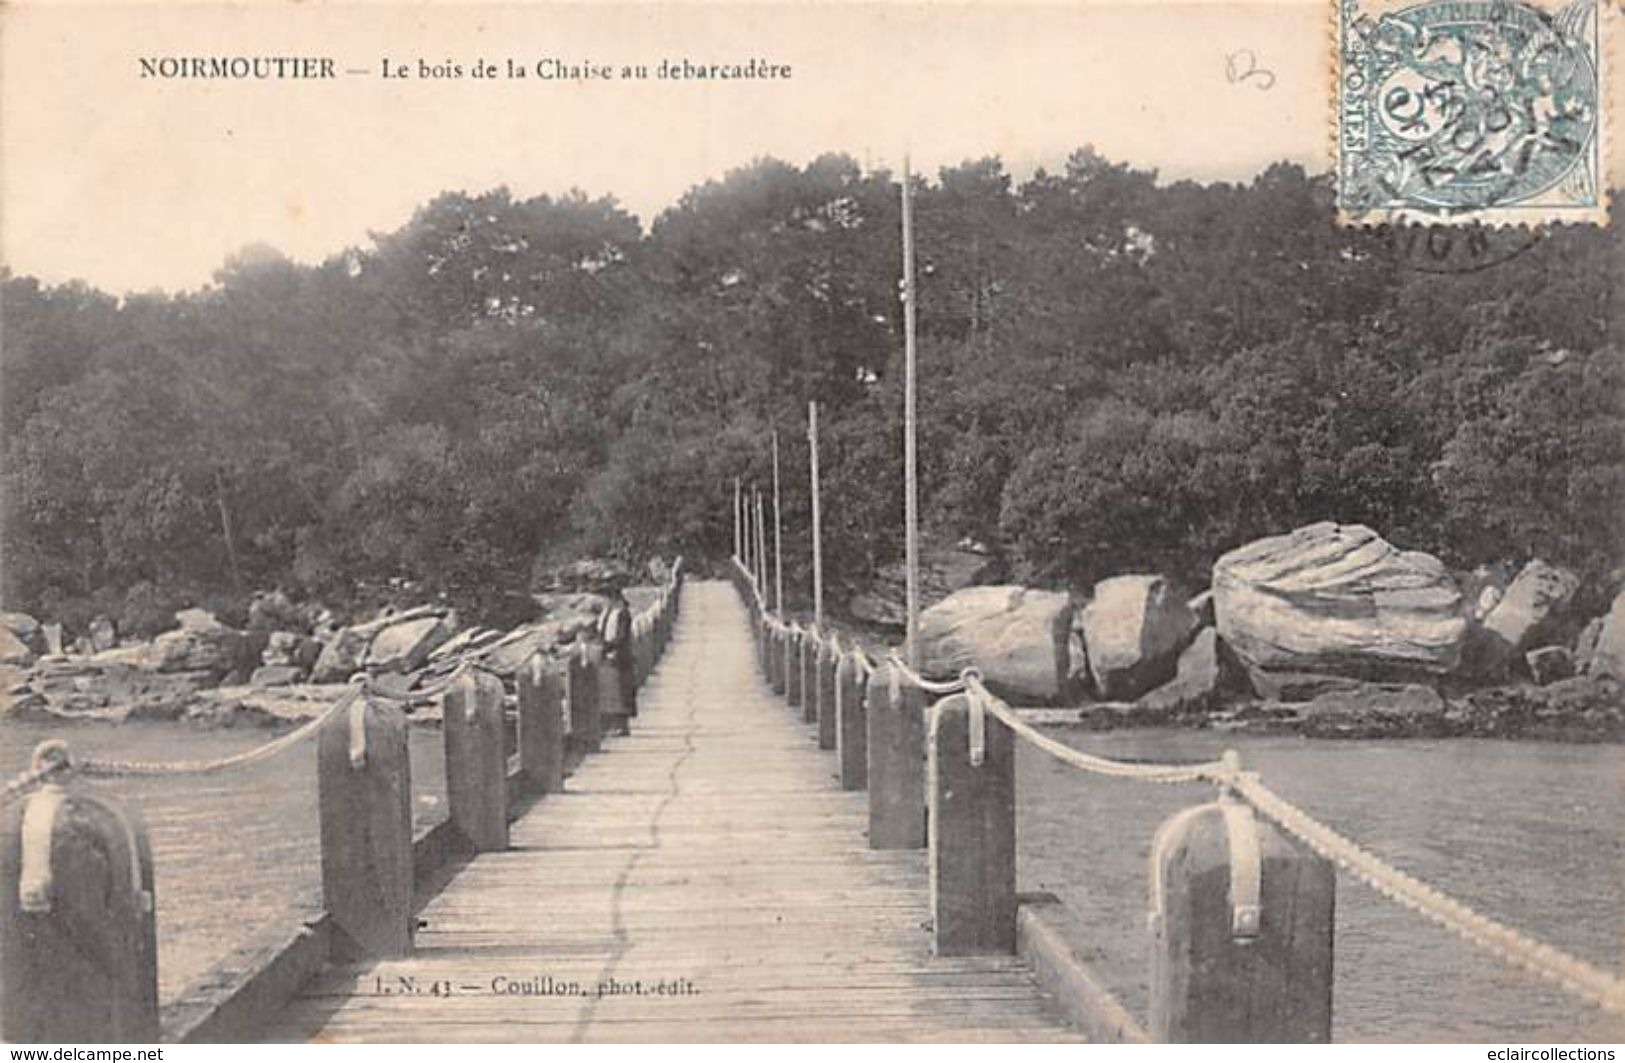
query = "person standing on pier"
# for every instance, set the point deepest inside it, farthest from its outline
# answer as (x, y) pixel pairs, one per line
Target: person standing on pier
(615, 631)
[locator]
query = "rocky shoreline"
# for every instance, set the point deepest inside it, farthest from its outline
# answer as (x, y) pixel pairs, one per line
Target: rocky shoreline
(1328, 631)
(290, 663)
(1577, 711)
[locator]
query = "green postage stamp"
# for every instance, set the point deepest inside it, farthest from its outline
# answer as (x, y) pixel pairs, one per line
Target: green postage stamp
(1489, 111)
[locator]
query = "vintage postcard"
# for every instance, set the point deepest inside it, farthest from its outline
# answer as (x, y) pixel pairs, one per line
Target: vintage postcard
(1092, 521)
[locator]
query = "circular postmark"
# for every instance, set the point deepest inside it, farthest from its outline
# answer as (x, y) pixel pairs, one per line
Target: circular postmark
(1465, 104)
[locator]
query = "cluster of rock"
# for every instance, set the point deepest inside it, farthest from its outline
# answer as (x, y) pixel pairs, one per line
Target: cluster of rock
(1329, 630)
(287, 664)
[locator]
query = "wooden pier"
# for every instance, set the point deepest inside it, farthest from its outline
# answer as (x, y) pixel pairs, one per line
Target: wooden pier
(704, 879)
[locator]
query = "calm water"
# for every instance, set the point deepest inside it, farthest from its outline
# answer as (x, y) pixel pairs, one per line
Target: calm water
(1527, 832)
(232, 852)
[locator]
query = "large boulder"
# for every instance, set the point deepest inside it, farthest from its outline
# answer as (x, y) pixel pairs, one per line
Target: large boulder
(405, 646)
(341, 656)
(201, 644)
(1608, 655)
(27, 631)
(1015, 635)
(1134, 628)
(13, 650)
(1534, 601)
(1338, 598)
(1204, 671)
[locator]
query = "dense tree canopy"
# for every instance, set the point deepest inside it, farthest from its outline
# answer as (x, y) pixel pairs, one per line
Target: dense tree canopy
(1116, 374)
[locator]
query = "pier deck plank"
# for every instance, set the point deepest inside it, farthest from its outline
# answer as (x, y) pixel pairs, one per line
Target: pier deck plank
(711, 850)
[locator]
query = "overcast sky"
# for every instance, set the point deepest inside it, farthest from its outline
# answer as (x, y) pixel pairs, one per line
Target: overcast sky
(135, 184)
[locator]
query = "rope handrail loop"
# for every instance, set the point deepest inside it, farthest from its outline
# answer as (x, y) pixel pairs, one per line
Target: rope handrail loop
(1205, 771)
(98, 766)
(1507, 944)
(941, 688)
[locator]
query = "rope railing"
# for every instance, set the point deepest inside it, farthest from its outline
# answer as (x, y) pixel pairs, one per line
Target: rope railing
(1506, 943)
(53, 759)
(1570, 973)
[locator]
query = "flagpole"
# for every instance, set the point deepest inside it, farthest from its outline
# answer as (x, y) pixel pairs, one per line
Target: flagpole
(910, 455)
(817, 517)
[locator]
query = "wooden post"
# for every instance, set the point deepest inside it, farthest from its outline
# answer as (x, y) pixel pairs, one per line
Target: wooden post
(972, 830)
(851, 722)
(1241, 931)
(78, 942)
(364, 793)
(775, 668)
(811, 647)
(476, 764)
(541, 725)
(896, 740)
(581, 690)
(829, 657)
(792, 667)
(739, 537)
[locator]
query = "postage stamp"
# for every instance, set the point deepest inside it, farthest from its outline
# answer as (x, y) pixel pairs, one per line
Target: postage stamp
(1460, 111)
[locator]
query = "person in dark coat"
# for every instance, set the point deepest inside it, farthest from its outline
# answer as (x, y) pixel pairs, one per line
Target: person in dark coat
(615, 630)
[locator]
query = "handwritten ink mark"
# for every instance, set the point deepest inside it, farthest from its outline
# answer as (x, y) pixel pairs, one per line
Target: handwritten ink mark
(1243, 64)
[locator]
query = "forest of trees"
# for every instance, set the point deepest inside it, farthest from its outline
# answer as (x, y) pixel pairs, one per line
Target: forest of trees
(1116, 375)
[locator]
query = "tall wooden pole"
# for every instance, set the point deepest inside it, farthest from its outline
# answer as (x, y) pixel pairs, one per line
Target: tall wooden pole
(778, 535)
(910, 457)
(738, 526)
(817, 518)
(761, 550)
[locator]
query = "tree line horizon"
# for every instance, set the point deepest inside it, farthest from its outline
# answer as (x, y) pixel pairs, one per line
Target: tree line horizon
(1115, 375)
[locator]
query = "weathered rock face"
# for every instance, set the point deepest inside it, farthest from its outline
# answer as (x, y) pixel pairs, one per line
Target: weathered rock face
(290, 648)
(13, 651)
(201, 644)
(1608, 655)
(1338, 598)
(276, 675)
(27, 631)
(1016, 636)
(1374, 710)
(1203, 672)
(1536, 598)
(404, 647)
(1548, 664)
(1134, 628)
(102, 635)
(342, 655)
